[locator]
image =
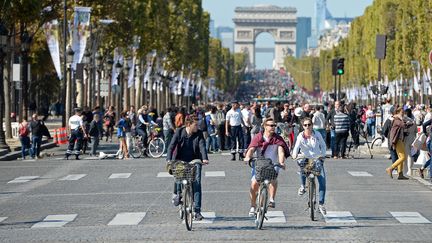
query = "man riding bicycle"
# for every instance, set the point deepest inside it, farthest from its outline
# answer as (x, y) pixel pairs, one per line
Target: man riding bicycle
(269, 145)
(311, 145)
(188, 144)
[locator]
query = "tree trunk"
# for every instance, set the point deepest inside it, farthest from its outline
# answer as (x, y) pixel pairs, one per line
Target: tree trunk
(7, 82)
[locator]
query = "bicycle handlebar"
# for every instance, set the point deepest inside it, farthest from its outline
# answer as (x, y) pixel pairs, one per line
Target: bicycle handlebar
(253, 159)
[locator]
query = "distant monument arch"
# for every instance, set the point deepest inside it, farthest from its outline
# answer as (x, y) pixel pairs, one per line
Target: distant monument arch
(281, 23)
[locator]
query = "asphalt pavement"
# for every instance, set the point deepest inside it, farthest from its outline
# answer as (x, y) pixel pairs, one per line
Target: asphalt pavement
(94, 200)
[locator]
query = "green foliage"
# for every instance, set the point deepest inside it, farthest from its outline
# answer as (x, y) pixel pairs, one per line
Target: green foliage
(408, 26)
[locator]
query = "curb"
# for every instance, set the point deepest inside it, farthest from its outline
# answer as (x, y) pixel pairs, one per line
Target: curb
(17, 154)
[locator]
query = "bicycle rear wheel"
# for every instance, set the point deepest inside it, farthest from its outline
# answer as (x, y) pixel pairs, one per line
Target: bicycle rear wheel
(136, 149)
(156, 147)
(188, 207)
(312, 198)
(262, 207)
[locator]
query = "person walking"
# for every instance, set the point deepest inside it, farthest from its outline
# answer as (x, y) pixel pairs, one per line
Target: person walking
(77, 134)
(36, 129)
(319, 122)
(256, 122)
(234, 120)
(121, 135)
(397, 138)
(94, 133)
(168, 127)
(220, 126)
(24, 131)
(342, 125)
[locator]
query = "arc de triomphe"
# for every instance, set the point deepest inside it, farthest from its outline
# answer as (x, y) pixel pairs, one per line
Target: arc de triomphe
(280, 22)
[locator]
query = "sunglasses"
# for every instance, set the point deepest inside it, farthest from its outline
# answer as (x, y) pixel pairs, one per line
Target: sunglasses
(307, 125)
(271, 125)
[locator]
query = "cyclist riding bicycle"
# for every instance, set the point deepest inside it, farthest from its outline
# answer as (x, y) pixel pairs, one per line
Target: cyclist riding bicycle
(269, 145)
(188, 144)
(311, 145)
(142, 123)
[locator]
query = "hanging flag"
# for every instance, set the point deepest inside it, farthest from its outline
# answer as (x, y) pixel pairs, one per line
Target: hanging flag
(52, 33)
(118, 58)
(80, 33)
(416, 85)
(134, 49)
(187, 89)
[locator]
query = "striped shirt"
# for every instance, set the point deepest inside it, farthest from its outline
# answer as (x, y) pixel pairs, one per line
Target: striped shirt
(342, 122)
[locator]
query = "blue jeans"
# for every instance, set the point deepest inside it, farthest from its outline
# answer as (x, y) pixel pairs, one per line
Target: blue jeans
(35, 148)
(371, 128)
(25, 144)
(323, 133)
(196, 187)
(333, 142)
(321, 182)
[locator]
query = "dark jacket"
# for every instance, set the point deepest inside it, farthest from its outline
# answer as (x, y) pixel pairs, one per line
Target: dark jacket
(94, 129)
(187, 148)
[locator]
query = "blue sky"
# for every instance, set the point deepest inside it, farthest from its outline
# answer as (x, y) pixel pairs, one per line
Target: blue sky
(222, 12)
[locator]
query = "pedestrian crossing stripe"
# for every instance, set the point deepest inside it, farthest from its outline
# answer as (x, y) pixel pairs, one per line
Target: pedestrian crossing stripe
(3, 219)
(131, 218)
(215, 173)
(275, 217)
(359, 173)
(72, 177)
(410, 218)
(164, 174)
(339, 217)
(23, 179)
(120, 175)
(55, 221)
(209, 218)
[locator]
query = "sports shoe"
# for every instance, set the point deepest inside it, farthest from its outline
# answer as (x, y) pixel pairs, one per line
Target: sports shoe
(301, 190)
(252, 212)
(272, 204)
(176, 200)
(198, 217)
(322, 209)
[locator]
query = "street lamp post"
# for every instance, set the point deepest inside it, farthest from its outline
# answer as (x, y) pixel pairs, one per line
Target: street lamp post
(88, 80)
(125, 87)
(119, 68)
(69, 59)
(109, 65)
(3, 44)
(25, 48)
(99, 74)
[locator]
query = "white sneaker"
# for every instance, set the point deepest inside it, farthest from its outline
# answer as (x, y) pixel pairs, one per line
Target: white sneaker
(322, 209)
(301, 190)
(252, 212)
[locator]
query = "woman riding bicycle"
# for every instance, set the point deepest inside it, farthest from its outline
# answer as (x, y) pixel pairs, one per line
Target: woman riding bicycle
(188, 144)
(271, 146)
(311, 145)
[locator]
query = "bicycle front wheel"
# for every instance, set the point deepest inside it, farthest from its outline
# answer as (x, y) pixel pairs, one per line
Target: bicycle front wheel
(136, 150)
(262, 207)
(156, 147)
(376, 142)
(188, 207)
(312, 198)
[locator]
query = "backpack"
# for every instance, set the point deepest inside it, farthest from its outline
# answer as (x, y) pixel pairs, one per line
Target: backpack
(23, 131)
(219, 118)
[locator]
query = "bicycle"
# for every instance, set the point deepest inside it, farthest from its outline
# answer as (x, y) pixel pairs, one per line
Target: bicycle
(155, 145)
(264, 175)
(311, 171)
(184, 174)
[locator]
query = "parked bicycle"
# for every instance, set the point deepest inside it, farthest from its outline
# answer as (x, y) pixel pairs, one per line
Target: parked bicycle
(155, 145)
(184, 175)
(264, 175)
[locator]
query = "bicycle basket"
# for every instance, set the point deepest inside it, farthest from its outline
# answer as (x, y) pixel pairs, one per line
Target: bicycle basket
(313, 167)
(266, 172)
(183, 171)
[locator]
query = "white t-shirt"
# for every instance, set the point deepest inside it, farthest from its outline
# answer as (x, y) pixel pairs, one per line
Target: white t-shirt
(247, 117)
(270, 153)
(234, 117)
(75, 122)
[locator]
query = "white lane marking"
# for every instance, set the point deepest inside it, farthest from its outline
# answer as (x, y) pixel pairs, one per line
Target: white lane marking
(164, 174)
(3, 219)
(120, 176)
(359, 173)
(209, 218)
(55, 221)
(23, 179)
(72, 177)
(339, 217)
(226, 153)
(127, 218)
(215, 173)
(275, 217)
(410, 218)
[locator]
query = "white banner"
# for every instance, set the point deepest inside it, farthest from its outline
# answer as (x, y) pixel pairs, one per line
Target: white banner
(118, 57)
(52, 33)
(132, 62)
(81, 31)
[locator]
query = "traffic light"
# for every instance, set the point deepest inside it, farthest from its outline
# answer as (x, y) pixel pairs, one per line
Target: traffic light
(340, 66)
(292, 88)
(405, 92)
(286, 92)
